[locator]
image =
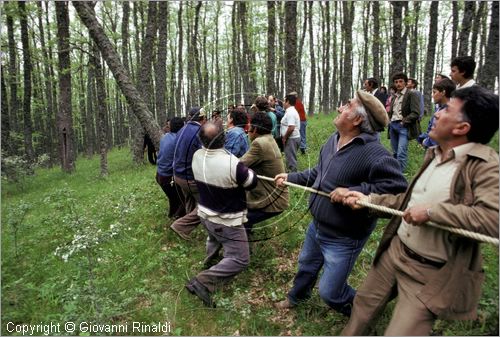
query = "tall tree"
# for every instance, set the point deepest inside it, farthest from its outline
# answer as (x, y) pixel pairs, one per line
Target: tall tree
(481, 12)
(454, 29)
(490, 69)
(178, 89)
(431, 52)
(248, 56)
(6, 145)
(134, 99)
(312, 89)
(13, 75)
(397, 41)
(161, 62)
(291, 65)
(64, 117)
(347, 22)
(414, 41)
(125, 35)
(376, 39)
(271, 46)
(463, 48)
(325, 96)
(27, 69)
(300, 51)
(366, 21)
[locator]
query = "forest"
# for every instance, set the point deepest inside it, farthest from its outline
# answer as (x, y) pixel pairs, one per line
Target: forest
(84, 230)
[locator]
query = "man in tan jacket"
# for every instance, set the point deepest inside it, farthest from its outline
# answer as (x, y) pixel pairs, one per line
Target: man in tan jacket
(436, 274)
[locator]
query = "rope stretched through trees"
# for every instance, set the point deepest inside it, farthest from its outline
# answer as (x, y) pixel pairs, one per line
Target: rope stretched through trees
(459, 231)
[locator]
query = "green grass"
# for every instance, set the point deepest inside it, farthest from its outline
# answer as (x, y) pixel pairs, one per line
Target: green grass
(139, 273)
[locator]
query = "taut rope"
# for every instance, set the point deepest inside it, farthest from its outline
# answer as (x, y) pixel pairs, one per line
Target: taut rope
(459, 231)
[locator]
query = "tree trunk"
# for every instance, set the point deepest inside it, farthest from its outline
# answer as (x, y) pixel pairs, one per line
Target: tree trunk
(64, 116)
(334, 86)
(248, 57)
(161, 62)
(469, 10)
(300, 51)
(6, 145)
(366, 22)
(397, 41)
(112, 58)
(218, 75)
(13, 75)
(271, 46)
(414, 41)
(312, 89)
(325, 96)
(454, 41)
(481, 12)
(291, 69)
(431, 51)
(27, 70)
(125, 55)
(490, 70)
(376, 40)
(348, 20)
(178, 90)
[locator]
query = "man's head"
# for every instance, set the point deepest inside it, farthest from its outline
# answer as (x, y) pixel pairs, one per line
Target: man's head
(261, 125)
(375, 112)
(237, 117)
(472, 114)
(271, 100)
(442, 90)
(261, 103)
(290, 101)
(196, 114)
(462, 69)
(216, 114)
(370, 84)
(176, 124)
(352, 118)
(212, 136)
(412, 83)
(399, 81)
(440, 77)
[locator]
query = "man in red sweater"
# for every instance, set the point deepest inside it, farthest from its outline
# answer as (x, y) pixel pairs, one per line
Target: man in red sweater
(303, 122)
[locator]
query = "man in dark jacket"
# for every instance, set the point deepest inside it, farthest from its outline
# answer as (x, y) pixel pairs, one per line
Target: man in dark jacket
(404, 116)
(435, 273)
(352, 159)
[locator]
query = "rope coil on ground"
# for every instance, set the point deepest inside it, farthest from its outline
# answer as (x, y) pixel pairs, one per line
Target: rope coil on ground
(459, 231)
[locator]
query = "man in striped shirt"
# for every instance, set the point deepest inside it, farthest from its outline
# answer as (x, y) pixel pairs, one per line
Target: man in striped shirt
(222, 180)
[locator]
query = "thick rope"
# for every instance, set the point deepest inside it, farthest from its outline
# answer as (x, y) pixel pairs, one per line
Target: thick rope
(459, 231)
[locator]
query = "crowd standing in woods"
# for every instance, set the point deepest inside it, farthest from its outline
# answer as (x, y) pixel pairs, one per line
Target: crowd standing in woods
(215, 167)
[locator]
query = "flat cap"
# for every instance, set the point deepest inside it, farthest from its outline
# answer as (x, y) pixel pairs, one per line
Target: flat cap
(377, 116)
(196, 111)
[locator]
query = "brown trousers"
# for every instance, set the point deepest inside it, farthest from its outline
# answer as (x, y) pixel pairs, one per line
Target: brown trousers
(395, 270)
(191, 220)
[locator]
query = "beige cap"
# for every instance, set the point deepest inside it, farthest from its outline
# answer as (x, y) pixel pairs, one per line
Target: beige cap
(377, 115)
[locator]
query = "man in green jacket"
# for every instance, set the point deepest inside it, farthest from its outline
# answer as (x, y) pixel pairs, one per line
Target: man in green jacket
(264, 157)
(436, 274)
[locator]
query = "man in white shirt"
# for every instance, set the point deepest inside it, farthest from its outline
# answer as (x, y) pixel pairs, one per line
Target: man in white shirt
(462, 71)
(290, 132)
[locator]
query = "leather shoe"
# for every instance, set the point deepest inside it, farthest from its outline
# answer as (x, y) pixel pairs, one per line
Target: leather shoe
(285, 304)
(179, 233)
(198, 289)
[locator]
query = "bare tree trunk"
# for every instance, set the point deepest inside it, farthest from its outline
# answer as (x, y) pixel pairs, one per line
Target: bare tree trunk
(271, 45)
(6, 145)
(481, 12)
(27, 70)
(346, 81)
(64, 116)
(248, 57)
(454, 41)
(13, 75)
(312, 89)
(112, 58)
(366, 21)
(161, 62)
(178, 90)
(291, 71)
(301, 50)
(463, 48)
(335, 81)
(431, 51)
(490, 71)
(325, 97)
(414, 41)
(376, 40)
(397, 41)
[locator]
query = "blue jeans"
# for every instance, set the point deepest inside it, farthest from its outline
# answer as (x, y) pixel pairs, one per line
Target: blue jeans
(303, 138)
(337, 257)
(399, 142)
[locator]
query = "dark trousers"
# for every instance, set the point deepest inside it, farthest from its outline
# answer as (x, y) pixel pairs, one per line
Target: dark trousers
(174, 195)
(191, 220)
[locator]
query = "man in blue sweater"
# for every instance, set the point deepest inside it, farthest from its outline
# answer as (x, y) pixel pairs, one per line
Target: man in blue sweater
(351, 160)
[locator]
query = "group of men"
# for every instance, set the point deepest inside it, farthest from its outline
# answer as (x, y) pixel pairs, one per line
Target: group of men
(425, 267)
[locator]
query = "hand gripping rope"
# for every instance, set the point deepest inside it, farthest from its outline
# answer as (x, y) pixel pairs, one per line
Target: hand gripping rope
(459, 231)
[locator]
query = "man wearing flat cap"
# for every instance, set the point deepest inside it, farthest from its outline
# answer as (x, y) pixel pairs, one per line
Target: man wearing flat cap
(351, 160)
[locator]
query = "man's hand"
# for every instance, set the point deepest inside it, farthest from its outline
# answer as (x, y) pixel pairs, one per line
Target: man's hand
(338, 194)
(417, 215)
(279, 179)
(351, 197)
(283, 140)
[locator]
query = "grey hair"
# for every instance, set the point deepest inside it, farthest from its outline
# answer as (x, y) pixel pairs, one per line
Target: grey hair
(360, 111)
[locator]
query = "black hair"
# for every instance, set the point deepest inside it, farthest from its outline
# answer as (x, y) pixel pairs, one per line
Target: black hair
(465, 64)
(373, 82)
(445, 85)
(480, 109)
(212, 136)
(261, 103)
(176, 124)
(398, 76)
(291, 99)
(239, 116)
(262, 123)
(414, 81)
